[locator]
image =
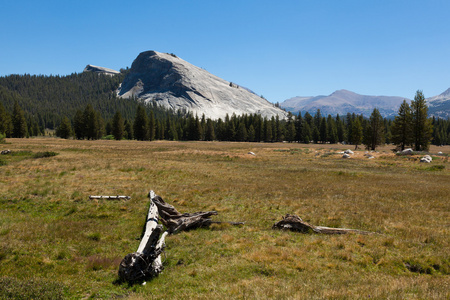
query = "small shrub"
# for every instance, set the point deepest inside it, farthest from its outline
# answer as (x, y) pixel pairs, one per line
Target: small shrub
(45, 154)
(95, 236)
(2, 162)
(2, 138)
(436, 168)
(109, 137)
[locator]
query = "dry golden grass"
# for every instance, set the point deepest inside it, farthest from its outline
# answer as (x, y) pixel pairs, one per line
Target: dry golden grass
(52, 233)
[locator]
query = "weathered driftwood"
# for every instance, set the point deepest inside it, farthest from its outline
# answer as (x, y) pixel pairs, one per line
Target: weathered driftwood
(146, 261)
(176, 221)
(295, 223)
(110, 197)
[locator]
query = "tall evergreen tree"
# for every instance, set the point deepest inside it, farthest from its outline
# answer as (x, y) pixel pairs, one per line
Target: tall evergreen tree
(5, 121)
(290, 128)
(118, 126)
(402, 127)
(64, 129)
(90, 123)
(209, 132)
(19, 122)
(357, 133)
(422, 128)
(323, 130)
(78, 125)
(140, 126)
(374, 131)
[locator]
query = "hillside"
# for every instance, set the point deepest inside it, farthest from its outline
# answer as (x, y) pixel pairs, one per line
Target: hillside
(342, 101)
(176, 84)
(439, 105)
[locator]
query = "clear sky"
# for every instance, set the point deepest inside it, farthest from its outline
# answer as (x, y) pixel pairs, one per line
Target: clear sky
(279, 49)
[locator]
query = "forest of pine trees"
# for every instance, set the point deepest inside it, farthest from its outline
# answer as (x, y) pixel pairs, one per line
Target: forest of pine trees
(84, 106)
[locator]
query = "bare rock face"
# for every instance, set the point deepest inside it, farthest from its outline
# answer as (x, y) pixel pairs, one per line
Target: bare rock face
(176, 84)
(100, 70)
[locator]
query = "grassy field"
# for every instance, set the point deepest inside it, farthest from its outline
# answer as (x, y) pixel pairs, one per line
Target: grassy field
(56, 243)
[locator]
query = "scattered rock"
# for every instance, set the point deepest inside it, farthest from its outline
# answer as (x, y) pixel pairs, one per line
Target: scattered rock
(4, 152)
(440, 153)
(251, 153)
(346, 156)
(408, 151)
(348, 151)
(426, 159)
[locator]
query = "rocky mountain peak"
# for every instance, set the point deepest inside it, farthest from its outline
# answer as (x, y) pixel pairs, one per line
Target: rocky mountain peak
(175, 84)
(100, 70)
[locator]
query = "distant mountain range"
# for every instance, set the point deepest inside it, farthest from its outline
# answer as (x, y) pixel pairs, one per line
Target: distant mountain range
(342, 102)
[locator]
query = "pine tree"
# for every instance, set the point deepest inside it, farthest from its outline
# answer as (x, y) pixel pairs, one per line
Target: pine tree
(128, 130)
(357, 133)
(290, 128)
(64, 129)
(140, 125)
(5, 121)
(19, 122)
(374, 131)
(402, 127)
(422, 128)
(78, 125)
(90, 123)
(209, 132)
(323, 130)
(241, 134)
(151, 126)
(118, 126)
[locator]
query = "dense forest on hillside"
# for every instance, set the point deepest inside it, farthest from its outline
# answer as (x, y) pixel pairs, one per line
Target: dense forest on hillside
(85, 106)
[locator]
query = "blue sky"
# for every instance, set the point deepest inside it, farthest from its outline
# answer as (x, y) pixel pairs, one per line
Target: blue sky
(279, 49)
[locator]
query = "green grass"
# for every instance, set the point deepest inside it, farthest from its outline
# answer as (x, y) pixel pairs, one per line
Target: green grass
(56, 243)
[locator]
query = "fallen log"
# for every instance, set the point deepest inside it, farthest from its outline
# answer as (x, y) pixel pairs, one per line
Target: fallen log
(295, 223)
(146, 261)
(109, 197)
(176, 221)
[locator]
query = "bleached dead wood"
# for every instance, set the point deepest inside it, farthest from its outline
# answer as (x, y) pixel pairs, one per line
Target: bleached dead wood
(176, 221)
(110, 197)
(295, 223)
(146, 261)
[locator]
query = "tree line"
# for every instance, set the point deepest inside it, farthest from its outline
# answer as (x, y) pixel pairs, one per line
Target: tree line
(84, 106)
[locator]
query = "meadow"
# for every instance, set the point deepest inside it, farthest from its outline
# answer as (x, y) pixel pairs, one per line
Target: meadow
(56, 243)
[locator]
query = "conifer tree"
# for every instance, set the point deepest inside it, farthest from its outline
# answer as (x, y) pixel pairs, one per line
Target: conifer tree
(90, 123)
(323, 130)
(402, 127)
(5, 121)
(118, 126)
(78, 124)
(374, 131)
(422, 128)
(209, 132)
(290, 128)
(128, 130)
(357, 133)
(19, 122)
(140, 126)
(64, 129)
(151, 126)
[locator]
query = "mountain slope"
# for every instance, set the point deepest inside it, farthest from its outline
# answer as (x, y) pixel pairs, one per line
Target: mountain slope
(343, 101)
(176, 84)
(439, 106)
